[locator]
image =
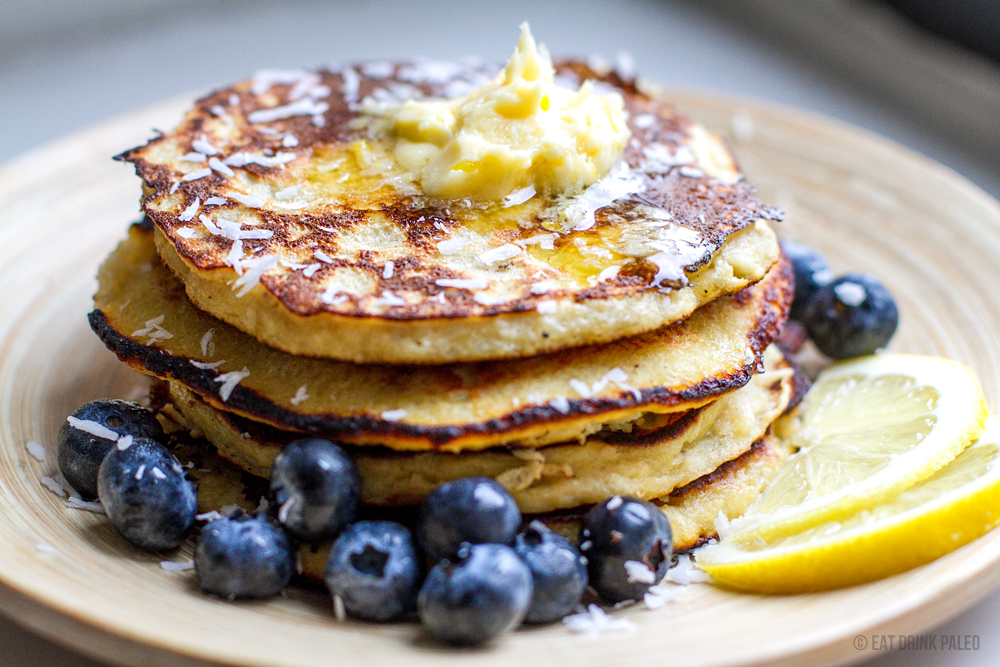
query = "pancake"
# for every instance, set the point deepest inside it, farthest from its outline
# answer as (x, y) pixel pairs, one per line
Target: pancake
(643, 463)
(319, 244)
(142, 314)
(692, 509)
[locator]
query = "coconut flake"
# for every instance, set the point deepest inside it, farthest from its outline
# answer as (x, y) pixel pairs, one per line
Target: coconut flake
(339, 611)
(290, 192)
(36, 450)
(185, 232)
(462, 283)
(289, 141)
(54, 486)
(157, 473)
(217, 164)
(451, 246)
(208, 517)
(390, 299)
(519, 196)
(595, 620)
(850, 294)
(621, 182)
(77, 503)
(153, 331)
(190, 211)
(243, 159)
(300, 396)
(322, 256)
(389, 269)
(251, 278)
(193, 157)
(560, 403)
(638, 572)
(685, 572)
(93, 428)
(195, 175)
(124, 442)
(544, 241)
(504, 252)
(207, 344)
(303, 107)
(394, 415)
(659, 159)
(615, 503)
(546, 307)
(247, 200)
(658, 596)
(215, 201)
(229, 382)
(174, 566)
(203, 145)
(644, 121)
(207, 366)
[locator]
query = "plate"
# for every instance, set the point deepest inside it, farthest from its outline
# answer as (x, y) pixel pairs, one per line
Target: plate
(869, 204)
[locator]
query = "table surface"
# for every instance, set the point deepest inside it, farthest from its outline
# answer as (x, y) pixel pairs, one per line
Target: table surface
(66, 65)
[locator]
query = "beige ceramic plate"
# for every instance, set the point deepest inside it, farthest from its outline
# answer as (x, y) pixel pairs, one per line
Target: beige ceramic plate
(930, 235)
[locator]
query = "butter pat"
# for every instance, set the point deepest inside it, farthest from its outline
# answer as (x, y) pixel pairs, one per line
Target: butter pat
(518, 131)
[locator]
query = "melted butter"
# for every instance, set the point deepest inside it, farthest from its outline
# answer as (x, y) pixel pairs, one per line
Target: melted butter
(517, 131)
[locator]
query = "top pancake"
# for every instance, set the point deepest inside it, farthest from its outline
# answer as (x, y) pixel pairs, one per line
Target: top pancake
(288, 180)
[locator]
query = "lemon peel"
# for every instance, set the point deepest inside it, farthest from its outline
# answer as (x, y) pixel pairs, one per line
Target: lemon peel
(955, 505)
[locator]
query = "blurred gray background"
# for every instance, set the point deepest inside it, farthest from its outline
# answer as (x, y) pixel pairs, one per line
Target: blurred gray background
(67, 64)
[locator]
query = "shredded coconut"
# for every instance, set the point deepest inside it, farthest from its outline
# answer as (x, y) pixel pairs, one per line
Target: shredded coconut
(124, 442)
(207, 366)
(193, 157)
(546, 307)
(504, 252)
(77, 503)
(190, 211)
(462, 283)
(195, 175)
(207, 344)
(229, 382)
(451, 246)
(203, 145)
(339, 612)
(390, 299)
(685, 572)
(54, 486)
(173, 566)
(544, 241)
(251, 278)
(595, 620)
(850, 294)
(615, 503)
(560, 403)
(215, 201)
(394, 415)
(217, 165)
(92, 427)
(300, 395)
(289, 141)
(389, 269)
(638, 572)
(290, 192)
(322, 256)
(519, 196)
(243, 159)
(303, 107)
(36, 450)
(644, 121)
(153, 331)
(252, 201)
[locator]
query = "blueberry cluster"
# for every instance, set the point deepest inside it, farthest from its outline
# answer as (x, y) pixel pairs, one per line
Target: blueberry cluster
(846, 316)
(113, 449)
(467, 568)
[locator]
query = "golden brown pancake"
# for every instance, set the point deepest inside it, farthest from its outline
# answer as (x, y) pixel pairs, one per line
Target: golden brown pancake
(278, 204)
(144, 316)
(644, 463)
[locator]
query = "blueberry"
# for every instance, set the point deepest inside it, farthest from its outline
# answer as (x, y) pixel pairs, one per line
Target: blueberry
(476, 510)
(481, 592)
(242, 556)
(628, 544)
(558, 571)
(316, 488)
(375, 568)
(146, 494)
(811, 272)
(851, 317)
(80, 453)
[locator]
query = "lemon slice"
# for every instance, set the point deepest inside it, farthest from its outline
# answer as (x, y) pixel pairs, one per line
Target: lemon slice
(955, 505)
(867, 429)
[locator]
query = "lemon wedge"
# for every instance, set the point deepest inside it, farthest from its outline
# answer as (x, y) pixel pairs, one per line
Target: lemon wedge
(868, 428)
(952, 507)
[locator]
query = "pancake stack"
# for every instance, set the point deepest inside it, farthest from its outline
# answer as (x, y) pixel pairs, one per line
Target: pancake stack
(291, 278)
